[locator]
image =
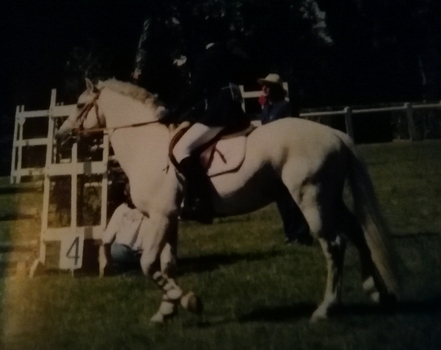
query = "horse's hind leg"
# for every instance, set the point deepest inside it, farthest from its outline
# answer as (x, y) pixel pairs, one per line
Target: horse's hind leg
(322, 224)
(372, 283)
(334, 250)
(169, 252)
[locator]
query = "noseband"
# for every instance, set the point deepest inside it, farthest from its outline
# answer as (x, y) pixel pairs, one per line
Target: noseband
(85, 112)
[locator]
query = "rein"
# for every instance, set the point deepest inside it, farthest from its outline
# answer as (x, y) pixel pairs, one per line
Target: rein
(96, 130)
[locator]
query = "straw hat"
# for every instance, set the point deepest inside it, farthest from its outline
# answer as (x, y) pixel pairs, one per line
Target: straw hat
(271, 79)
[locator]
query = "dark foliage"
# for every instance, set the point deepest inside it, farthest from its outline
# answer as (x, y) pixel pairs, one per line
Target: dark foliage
(332, 53)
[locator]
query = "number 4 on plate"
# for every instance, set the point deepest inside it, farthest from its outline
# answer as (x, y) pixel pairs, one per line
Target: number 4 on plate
(71, 251)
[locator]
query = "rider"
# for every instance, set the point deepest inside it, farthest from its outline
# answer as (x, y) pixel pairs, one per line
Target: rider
(212, 87)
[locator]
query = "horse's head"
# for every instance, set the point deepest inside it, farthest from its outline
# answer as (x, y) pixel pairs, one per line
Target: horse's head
(85, 116)
(126, 105)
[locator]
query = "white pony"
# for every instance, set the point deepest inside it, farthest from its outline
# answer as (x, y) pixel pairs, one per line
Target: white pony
(313, 160)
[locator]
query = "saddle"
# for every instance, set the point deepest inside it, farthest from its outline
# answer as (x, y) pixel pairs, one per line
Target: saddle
(224, 154)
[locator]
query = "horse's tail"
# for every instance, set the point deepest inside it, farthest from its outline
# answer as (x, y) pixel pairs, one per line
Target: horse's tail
(376, 231)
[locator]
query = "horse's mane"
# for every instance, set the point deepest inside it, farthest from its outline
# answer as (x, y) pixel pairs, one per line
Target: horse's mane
(133, 91)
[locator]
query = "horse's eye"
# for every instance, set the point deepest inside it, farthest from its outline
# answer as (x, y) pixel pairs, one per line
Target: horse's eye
(80, 105)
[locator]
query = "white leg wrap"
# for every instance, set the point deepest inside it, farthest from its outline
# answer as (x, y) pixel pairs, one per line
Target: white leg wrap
(170, 288)
(174, 294)
(369, 288)
(167, 310)
(167, 307)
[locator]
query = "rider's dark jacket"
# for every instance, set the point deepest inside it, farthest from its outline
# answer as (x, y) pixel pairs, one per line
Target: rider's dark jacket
(210, 86)
(274, 111)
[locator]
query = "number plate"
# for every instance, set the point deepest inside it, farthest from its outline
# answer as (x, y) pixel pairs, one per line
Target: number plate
(71, 251)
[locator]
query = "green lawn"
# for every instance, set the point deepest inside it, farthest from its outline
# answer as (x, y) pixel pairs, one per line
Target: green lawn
(407, 179)
(258, 293)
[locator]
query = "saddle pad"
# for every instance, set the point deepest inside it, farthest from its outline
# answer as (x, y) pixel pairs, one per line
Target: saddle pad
(228, 156)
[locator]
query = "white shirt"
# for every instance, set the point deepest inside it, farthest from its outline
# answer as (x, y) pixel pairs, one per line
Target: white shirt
(123, 227)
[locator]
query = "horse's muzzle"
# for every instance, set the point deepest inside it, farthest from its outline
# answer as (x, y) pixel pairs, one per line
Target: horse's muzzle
(66, 140)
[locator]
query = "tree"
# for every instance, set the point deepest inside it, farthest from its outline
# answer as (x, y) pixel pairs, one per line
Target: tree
(84, 62)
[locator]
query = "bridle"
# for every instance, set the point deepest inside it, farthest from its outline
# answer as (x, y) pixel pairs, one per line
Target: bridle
(101, 127)
(81, 118)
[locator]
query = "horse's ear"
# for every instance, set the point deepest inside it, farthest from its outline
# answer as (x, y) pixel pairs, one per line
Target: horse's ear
(161, 111)
(89, 85)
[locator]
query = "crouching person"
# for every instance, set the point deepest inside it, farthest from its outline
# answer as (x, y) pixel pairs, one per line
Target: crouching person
(121, 243)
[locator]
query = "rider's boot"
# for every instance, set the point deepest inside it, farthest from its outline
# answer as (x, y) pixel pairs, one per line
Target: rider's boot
(197, 201)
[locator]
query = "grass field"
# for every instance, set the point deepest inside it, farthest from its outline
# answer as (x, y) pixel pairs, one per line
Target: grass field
(258, 293)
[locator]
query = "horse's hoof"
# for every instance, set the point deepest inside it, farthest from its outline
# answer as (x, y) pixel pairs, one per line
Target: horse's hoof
(167, 311)
(317, 318)
(159, 319)
(375, 297)
(369, 285)
(192, 303)
(319, 315)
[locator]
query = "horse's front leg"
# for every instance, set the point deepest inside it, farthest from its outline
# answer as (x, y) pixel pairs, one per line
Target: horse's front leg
(168, 255)
(154, 240)
(156, 245)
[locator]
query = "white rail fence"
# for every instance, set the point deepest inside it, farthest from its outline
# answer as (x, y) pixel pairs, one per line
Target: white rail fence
(348, 113)
(19, 142)
(72, 237)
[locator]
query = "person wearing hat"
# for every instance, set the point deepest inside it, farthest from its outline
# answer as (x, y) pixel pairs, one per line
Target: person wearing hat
(274, 107)
(274, 104)
(213, 89)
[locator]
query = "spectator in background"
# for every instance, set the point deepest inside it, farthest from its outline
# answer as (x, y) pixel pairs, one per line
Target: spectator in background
(275, 106)
(122, 243)
(273, 99)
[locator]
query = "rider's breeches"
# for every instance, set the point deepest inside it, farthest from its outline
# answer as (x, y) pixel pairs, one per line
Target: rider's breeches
(196, 136)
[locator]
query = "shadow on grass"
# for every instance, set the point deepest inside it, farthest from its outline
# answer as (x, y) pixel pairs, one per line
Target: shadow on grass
(279, 313)
(212, 262)
(410, 235)
(14, 189)
(296, 311)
